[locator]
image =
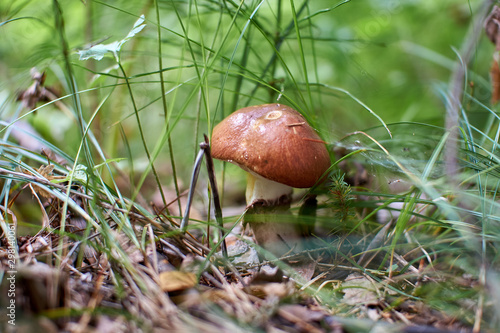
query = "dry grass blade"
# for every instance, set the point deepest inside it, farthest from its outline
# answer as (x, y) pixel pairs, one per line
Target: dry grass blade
(93, 153)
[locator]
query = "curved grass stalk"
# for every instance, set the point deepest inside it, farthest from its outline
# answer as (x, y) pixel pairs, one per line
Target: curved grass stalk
(166, 114)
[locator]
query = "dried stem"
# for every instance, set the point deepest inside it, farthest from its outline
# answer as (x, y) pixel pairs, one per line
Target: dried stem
(205, 151)
(456, 88)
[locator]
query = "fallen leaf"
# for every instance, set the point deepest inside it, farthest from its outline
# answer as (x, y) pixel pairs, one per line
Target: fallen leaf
(305, 269)
(241, 253)
(272, 289)
(359, 290)
(491, 25)
(301, 317)
(177, 280)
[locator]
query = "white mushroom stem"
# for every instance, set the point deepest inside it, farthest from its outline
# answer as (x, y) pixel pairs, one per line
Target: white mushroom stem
(262, 189)
(273, 227)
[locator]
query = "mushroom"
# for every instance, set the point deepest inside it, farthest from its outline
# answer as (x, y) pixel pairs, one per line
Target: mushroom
(280, 151)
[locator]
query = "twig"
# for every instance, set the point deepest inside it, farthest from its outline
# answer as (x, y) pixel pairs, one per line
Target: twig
(192, 186)
(452, 115)
(215, 193)
(456, 88)
(205, 151)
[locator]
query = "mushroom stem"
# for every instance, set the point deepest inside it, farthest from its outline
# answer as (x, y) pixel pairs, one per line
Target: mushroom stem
(269, 217)
(262, 189)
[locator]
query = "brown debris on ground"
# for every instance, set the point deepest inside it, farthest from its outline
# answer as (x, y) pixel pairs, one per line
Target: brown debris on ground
(90, 279)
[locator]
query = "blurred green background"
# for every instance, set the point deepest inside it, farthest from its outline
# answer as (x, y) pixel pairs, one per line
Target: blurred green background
(396, 57)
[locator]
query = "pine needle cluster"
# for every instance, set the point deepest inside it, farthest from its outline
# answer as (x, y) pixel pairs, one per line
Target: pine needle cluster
(341, 197)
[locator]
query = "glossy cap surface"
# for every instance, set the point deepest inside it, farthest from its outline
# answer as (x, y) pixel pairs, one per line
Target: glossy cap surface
(273, 141)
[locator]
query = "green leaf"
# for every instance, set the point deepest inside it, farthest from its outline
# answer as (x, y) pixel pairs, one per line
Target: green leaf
(98, 51)
(108, 161)
(79, 175)
(138, 26)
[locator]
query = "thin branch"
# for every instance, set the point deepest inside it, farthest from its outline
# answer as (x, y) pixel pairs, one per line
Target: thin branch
(456, 89)
(215, 192)
(205, 151)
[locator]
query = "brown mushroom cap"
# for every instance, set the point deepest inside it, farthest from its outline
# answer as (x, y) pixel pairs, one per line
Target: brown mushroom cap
(273, 141)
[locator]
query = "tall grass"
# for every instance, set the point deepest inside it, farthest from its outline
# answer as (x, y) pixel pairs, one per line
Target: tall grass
(122, 134)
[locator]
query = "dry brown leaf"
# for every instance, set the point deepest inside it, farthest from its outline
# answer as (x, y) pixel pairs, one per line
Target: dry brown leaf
(276, 289)
(492, 28)
(358, 290)
(36, 244)
(46, 172)
(495, 80)
(301, 317)
(36, 92)
(305, 269)
(492, 24)
(177, 280)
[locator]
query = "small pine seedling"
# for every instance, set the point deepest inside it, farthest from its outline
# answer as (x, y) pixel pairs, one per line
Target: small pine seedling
(341, 197)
